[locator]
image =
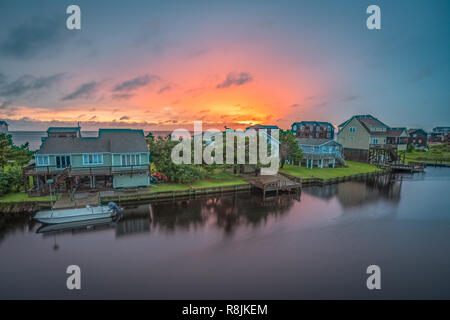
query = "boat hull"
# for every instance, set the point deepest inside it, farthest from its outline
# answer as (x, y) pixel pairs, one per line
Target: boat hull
(47, 228)
(74, 215)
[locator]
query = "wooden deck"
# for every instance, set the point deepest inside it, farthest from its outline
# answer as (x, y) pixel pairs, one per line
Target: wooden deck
(410, 167)
(276, 183)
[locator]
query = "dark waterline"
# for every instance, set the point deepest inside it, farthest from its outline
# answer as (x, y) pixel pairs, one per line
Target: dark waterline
(316, 245)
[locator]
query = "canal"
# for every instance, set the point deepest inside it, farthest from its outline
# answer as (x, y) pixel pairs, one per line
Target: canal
(317, 244)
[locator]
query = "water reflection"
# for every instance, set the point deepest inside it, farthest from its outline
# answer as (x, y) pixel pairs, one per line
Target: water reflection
(361, 193)
(223, 212)
(240, 246)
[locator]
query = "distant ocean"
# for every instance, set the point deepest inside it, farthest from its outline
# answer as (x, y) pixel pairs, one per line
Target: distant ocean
(34, 138)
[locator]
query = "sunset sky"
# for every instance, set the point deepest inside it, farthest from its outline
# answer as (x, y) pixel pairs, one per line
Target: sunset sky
(159, 65)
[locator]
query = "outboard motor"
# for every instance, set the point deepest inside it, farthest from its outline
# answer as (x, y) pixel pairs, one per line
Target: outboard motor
(113, 206)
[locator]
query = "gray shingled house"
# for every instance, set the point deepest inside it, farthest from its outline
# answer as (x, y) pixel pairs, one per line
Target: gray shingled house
(116, 158)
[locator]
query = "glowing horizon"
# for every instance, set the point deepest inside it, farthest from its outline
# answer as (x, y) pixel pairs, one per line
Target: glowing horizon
(242, 64)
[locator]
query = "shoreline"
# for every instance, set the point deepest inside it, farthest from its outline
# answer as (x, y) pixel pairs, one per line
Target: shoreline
(152, 197)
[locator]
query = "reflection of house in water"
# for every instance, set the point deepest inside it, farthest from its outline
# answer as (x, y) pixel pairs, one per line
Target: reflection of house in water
(136, 220)
(358, 193)
(226, 212)
(326, 192)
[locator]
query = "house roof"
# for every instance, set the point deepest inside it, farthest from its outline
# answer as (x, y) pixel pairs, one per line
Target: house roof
(441, 129)
(396, 132)
(365, 119)
(60, 129)
(317, 123)
(315, 141)
(412, 131)
(108, 141)
(262, 126)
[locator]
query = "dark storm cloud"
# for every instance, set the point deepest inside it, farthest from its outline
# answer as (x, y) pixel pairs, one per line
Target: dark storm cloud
(34, 36)
(295, 105)
(85, 91)
(135, 83)
(125, 118)
(28, 84)
(237, 79)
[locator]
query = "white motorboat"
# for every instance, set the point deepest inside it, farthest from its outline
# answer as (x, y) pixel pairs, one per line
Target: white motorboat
(87, 224)
(78, 214)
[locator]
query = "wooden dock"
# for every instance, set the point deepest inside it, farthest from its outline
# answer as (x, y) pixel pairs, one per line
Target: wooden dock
(411, 167)
(276, 183)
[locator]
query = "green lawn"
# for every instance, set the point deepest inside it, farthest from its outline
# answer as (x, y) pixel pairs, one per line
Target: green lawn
(23, 197)
(220, 179)
(438, 153)
(168, 186)
(327, 173)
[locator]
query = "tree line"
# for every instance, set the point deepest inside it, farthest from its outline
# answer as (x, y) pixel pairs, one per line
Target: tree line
(161, 147)
(12, 158)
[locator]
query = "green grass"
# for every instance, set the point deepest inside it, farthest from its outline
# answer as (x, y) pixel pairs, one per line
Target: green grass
(435, 153)
(328, 173)
(220, 179)
(168, 186)
(23, 197)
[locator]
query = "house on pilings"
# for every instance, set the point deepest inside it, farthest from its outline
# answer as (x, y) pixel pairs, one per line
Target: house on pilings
(367, 139)
(116, 158)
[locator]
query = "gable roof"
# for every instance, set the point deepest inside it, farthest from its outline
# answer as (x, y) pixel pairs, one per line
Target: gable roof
(396, 132)
(315, 141)
(366, 119)
(108, 141)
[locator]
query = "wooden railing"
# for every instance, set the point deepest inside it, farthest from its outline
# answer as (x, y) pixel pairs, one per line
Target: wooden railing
(84, 170)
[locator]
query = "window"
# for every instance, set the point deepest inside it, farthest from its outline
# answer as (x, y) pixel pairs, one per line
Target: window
(131, 159)
(352, 129)
(317, 134)
(302, 128)
(42, 160)
(325, 149)
(328, 128)
(375, 141)
(93, 159)
(328, 135)
(62, 162)
(352, 138)
(294, 128)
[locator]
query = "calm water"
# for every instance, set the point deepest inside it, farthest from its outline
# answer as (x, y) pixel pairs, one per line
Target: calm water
(316, 245)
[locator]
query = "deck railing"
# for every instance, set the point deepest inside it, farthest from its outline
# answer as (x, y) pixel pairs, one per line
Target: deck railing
(84, 170)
